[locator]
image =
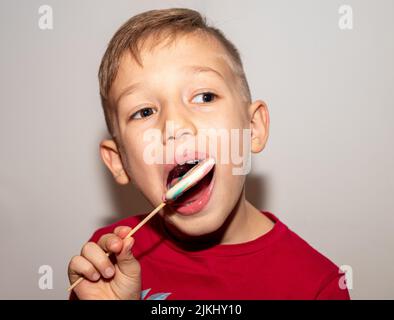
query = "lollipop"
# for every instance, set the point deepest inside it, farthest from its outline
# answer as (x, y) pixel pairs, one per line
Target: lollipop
(184, 183)
(191, 178)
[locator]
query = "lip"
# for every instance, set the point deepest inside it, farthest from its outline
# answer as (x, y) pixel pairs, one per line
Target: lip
(198, 204)
(181, 160)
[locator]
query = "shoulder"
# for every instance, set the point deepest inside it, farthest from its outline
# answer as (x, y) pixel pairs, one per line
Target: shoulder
(307, 257)
(299, 252)
(323, 276)
(309, 267)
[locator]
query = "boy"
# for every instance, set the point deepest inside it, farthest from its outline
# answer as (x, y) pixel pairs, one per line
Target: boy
(168, 75)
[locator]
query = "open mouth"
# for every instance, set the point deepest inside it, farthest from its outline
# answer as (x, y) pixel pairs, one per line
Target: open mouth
(178, 171)
(196, 198)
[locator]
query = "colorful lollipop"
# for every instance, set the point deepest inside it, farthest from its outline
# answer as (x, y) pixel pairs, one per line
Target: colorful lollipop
(191, 178)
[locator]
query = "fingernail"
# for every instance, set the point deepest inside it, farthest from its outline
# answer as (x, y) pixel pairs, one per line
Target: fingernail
(109, 272)
(95, 276)
(128, 249)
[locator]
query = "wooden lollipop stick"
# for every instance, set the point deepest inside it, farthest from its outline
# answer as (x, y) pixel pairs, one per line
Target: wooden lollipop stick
(132, 231)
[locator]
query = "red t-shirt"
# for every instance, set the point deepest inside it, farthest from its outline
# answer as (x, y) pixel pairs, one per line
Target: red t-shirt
(277, 265)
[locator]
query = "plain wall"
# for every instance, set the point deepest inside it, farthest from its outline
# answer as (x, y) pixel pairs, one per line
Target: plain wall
(327, 171)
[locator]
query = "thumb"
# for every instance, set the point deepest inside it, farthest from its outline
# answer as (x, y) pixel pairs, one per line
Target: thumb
(127, 263)
(127, 280)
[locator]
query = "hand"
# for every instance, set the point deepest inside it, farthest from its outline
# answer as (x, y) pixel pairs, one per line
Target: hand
(103, 278)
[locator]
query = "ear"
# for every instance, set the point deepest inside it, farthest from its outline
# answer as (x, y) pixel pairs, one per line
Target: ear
(111, 157)
(259, 124)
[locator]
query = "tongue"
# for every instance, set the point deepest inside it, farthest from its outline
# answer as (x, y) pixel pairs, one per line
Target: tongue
(195, 192)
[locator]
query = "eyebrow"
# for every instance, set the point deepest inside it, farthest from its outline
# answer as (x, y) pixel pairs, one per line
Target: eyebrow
(194, 69)
(128, 90)
(202, 69)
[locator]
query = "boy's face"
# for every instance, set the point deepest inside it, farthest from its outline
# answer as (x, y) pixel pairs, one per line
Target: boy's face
(182, 91)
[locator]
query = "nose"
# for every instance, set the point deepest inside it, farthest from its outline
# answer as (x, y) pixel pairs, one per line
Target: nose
(178, 125)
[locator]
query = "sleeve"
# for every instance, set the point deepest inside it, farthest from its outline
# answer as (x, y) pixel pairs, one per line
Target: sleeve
(334, 289)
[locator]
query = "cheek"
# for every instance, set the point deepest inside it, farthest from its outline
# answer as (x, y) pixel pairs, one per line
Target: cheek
(229, 117)
(135, 149)
(148, 180)
(229, 186)
(140, 143)
(143, 170)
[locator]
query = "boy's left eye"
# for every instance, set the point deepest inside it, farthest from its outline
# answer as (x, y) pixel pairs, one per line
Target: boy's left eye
(204, 97)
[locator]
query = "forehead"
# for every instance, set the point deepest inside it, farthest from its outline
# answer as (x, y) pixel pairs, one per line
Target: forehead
(186, 53)
(197, 47)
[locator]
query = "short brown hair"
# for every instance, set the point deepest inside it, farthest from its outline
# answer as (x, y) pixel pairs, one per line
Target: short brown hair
(158, 23)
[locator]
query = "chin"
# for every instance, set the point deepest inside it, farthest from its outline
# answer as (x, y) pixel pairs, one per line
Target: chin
(197, 225)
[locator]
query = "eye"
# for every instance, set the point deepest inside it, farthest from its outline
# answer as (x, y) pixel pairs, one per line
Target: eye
(204, 97)
(143, 113)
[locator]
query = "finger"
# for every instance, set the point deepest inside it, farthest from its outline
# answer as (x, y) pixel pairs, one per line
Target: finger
(78, 267)
(110, 243)
(122, 231)
(126, 262)
(92, 252)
